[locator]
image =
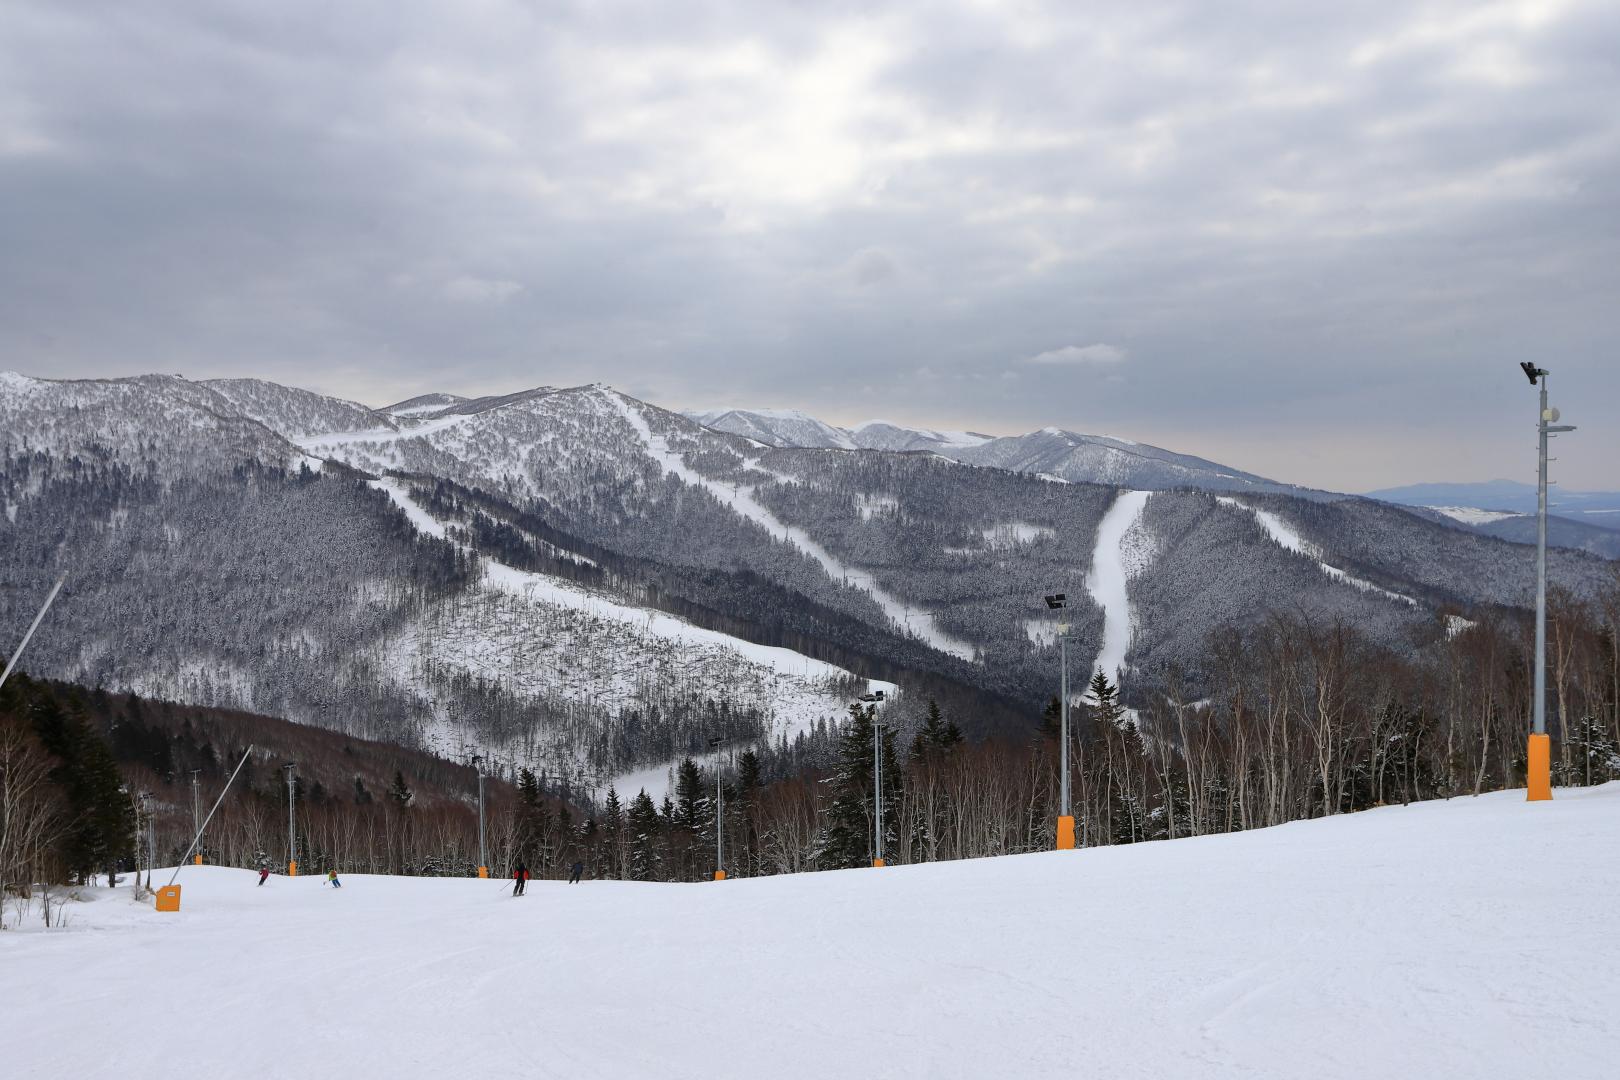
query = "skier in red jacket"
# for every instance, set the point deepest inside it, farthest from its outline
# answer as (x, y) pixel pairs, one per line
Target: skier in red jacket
(520, 876)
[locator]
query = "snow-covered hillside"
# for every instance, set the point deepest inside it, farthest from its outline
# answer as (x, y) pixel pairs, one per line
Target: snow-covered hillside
(1447, 941)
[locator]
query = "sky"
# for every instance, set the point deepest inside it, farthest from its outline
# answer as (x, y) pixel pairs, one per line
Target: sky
(1311, 241)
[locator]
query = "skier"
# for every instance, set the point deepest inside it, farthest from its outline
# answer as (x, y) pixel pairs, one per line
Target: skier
(331, 879)
(264, 872)
(573, 874)
(520, 878)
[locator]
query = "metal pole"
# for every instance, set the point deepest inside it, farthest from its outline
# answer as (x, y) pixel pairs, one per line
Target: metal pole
(210, 816)
(196, 808)
(31, 628)
(877, 788)
(719, 824)
(1063, 710)
(483, 854)
(292, 832)
(1538, 753)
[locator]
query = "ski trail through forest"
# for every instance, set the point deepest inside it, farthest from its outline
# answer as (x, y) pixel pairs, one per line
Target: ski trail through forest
(912, 619)
(1107, 582)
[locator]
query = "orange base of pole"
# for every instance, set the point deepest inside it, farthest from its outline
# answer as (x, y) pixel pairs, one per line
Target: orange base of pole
(168, 898)
(719, 875)
(292, 868)
(878, 862)
(483, 871)
(1538, 774)
(1065, 833)
(196, 860)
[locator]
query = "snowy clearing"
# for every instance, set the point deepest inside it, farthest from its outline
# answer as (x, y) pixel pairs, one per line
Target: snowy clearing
(1442, 940)
(1470, 515)
(1113, 563)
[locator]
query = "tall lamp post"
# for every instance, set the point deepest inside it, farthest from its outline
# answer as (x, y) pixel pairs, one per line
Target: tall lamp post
(1059, 602)
(483, 854)
(719, 812)
(1538, 771)
(875, 699)
(196, 813)
(292, 834)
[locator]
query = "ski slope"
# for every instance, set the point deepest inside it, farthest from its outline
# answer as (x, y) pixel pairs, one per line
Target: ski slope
(1468, 938)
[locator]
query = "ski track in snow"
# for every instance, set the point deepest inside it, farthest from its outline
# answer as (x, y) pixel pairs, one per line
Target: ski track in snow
(1107, 582)
(1280, 531)
(741, 499)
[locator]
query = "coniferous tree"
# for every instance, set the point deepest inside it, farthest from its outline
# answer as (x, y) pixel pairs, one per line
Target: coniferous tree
(613, 835)
(645, 837)
(102, 832)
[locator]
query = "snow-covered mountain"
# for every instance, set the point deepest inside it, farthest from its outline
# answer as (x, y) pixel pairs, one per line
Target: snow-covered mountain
(574, 578)
(1051, 452)
(422, 405)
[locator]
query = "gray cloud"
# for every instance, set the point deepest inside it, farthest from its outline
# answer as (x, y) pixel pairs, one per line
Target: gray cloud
(1324, 235)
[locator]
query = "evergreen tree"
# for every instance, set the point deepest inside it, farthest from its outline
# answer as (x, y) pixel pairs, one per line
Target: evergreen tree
(613, 835)
(102, 832)
(937, 734)
(645, 836)
(399, 792)
(847, 834)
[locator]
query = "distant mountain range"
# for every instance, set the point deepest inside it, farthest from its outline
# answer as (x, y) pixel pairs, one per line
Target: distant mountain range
(1585, 520)
(1051, 452)
(577, 580)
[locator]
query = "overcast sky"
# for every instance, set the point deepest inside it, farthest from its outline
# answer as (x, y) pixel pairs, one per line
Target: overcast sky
(1309, 240)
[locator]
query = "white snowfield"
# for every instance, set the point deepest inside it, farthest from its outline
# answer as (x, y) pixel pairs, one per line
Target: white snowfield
(1290, 539)
(1112, 562)
(1468, 939)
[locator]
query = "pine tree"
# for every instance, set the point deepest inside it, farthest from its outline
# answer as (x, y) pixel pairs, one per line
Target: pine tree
(646, 839)
(613, 834)
(103, 825)
(936, 736)
(847, 835)
(399, 792)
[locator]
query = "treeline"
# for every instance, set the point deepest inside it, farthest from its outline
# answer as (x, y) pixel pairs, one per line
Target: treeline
(1303, 719)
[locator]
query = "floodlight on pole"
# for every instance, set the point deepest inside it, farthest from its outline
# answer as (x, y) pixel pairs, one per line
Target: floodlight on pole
(1538, 755)
(196, 813)
(292, 833)
(483, 855)
(873, 700)
(719, 813)
(1059, 602)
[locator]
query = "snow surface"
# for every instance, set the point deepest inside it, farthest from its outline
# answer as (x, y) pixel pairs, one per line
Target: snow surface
(1447, 941)
(1285, 534)
(1470, 515)
(740, 499)
(1112, 566)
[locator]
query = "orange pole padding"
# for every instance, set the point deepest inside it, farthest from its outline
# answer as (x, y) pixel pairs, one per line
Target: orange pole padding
(197, 860)
(1538, 775)
(292, 868)
(483, 871)
(719, 875)
(1065, 833)
(878, 862)
(168, 898)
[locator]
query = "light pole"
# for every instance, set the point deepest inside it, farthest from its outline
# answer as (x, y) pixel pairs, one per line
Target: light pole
(719, 812)
(1538, 757)
(1065, 822)
(873, 700)
(483, 857)
(196, 813)
(292, 835)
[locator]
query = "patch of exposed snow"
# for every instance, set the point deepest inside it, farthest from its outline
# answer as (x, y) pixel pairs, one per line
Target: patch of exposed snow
(1456, 624)
(1470, 515)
